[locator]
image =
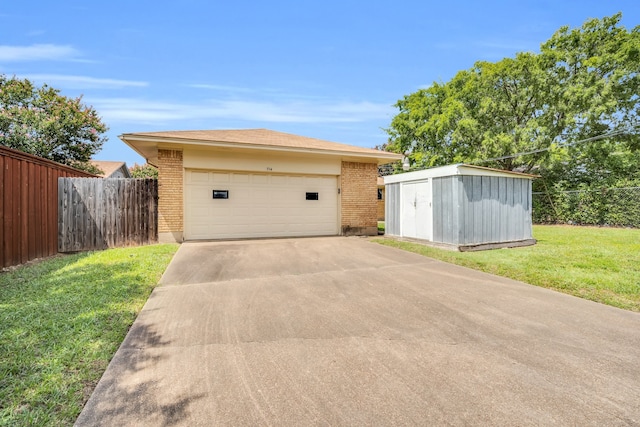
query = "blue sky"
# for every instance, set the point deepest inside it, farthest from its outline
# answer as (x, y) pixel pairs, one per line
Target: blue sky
(325, 69)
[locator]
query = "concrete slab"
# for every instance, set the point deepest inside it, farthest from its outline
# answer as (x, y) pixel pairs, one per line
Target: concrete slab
(204, 262)
(342, 331)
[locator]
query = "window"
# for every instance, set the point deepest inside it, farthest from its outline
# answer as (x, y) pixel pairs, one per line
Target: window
(312, 196)
(220, 194)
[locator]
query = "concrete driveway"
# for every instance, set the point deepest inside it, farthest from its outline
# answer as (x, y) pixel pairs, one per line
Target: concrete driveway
(343, 331)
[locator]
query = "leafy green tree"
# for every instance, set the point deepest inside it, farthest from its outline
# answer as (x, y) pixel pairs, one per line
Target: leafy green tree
(595, 81)
(583, 84)
(593, 77)
(143, 171)
(489, 111)
(40, 121)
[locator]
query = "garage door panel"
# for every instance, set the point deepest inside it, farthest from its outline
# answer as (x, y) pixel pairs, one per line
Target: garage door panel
(219, 212)
(278, 180)
(281, 198)
(295, 181)
(302, 228)
(315, 182)
(260, 196)
(219, 178)
(231, 230)
(284, 212)
(260, 179)
(323, 212)
(240, 195)
(259, 205)
(240, 178)
(199, 193)
(201, 212)
(199, 228)
(243, 211)
(258, 214)
(199, 177)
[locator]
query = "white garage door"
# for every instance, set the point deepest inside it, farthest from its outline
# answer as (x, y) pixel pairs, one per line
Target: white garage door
(259, 205)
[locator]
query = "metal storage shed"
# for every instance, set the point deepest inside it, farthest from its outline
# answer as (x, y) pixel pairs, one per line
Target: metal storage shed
(461, 206)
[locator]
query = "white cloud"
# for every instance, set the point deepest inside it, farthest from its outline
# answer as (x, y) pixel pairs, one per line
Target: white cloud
(264, 92)
(37, 52)
(151, 112)
(83, 82)
(129, 110)
(221, 88)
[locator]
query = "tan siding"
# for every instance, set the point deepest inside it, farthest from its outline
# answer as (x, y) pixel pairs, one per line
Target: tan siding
(359, 198)
(261, 162)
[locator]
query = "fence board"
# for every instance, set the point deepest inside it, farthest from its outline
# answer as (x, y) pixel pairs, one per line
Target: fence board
(13, 249)
(106, 213)
(2, 221)
(29, 206)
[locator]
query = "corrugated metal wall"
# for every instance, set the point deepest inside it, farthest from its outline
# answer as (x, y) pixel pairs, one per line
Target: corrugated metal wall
(392, 209)
(481, 209)
(446, 195)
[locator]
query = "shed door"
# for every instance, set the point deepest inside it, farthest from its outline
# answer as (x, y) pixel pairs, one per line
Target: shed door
(417, 219)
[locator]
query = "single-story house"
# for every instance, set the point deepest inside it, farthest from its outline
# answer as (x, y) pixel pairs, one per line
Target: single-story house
(460, 206)
(112, 169)
(229, 184)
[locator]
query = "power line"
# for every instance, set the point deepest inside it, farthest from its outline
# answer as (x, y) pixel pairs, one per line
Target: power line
(569, 144)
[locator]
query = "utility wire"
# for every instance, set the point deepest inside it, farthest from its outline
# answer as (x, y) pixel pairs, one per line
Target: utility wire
(569, 144)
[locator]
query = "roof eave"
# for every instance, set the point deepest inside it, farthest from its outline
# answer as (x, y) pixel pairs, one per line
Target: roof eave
(152, 160)
(382, 157)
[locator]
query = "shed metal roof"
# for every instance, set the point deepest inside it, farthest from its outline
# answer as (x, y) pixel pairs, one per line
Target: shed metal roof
(450, 170)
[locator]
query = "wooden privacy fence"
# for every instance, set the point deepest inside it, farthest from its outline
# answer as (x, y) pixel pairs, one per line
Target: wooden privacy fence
(29, 206)
(106, 213)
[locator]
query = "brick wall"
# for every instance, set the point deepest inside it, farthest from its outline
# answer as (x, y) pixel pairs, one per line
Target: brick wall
(359, 198)
(170, 197)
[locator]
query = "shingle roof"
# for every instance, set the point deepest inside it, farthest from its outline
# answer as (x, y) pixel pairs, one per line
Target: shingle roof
(107, 166)
(259, 137)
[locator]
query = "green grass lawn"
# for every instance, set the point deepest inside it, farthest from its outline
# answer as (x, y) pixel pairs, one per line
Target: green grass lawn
(600, 264)
(61, 321)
